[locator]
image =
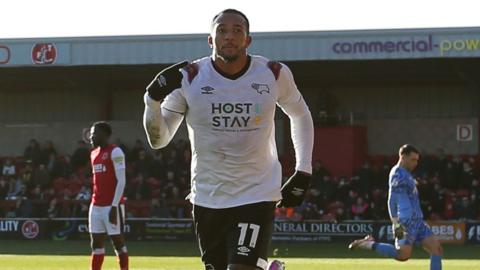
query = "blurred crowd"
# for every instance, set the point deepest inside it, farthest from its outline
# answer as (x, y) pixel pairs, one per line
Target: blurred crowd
(42, 183)
(449, 188)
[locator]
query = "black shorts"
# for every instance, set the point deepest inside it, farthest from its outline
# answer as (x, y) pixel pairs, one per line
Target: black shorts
(237, 235)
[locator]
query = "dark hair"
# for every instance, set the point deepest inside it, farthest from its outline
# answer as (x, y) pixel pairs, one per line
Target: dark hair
(233, 11)
(104, 126)
(406, 149)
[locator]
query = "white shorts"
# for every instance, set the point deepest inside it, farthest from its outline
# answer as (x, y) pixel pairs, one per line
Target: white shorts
(98, 221)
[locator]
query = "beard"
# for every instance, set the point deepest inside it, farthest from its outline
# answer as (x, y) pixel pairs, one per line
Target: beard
(228, 58)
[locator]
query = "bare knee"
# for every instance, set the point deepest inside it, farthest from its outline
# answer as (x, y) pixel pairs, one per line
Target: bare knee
(437, 251)
(403, 255)
(241, 267)
(402, 258)
(97, 241)
(118, 242)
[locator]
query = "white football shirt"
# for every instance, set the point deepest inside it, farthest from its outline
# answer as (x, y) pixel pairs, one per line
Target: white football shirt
(231, 131)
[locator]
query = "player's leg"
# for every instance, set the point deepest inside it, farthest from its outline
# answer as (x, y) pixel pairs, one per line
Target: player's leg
(250, 235)
(210, 229)
(97, 231)
(402, 251)
(118, 239)
(98, 250)
(413, 233)
(432, 245)
(369, 243)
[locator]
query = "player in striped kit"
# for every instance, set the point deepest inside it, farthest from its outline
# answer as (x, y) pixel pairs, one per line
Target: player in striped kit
(107, 209)
(405, 214)
(229, 100)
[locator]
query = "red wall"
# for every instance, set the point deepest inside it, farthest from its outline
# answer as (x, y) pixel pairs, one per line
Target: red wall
(342, 149)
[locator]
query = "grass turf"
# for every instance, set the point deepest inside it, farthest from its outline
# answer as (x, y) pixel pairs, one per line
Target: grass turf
(69, 255)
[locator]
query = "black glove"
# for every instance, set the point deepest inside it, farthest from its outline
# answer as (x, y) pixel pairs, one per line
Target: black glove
(294, 190)
(398, 230)
(166, 81)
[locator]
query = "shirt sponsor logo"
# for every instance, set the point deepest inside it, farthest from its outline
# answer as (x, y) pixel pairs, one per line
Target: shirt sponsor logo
(118, 160)
(98, 168)
(261, 88)
(231, 115)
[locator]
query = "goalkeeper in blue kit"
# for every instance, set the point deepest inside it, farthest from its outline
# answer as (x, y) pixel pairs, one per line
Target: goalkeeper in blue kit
(406, 215)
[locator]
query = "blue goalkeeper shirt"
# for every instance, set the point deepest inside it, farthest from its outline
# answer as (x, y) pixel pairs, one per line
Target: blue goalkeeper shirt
(403, 200)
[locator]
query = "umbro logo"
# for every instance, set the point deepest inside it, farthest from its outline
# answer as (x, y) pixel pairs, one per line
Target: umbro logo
(243, 250)
(162, 81)
(207, 90)
(261, 88)
(298, 192)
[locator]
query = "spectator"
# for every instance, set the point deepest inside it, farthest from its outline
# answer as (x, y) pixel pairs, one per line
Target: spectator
(126, 151)
(137, 147)
(26, 175)
(142, 190)
(81, 156)
(45, 152)
(8, 168)
(61, 167)
(24, 208)
(466, 176)
(359, 209)
(464, 210)
(16, 188)
(32, 152)
(143, 164)
(41, 177)
(4, 187)
(80, 209)
(159, 210)
(366, 177)
(53, 208)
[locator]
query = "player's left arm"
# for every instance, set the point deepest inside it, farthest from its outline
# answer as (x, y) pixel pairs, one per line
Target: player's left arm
(397, 198)
(118, 159)
(301, 123)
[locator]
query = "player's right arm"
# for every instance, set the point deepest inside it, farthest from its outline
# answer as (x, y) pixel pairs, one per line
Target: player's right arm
(161, 121)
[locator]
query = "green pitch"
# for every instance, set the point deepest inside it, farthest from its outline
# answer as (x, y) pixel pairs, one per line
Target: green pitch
(69, 255)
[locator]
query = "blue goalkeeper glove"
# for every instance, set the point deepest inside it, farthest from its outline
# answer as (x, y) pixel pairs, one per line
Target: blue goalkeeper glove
(294, 190)
(166, 81)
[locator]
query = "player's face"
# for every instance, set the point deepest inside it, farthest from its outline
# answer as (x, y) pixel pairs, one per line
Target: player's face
(229, 39)
(97, 137)
(411, 161)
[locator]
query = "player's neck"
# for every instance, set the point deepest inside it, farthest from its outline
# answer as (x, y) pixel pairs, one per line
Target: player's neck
(231, 68)
(402, 164)
(103, 145)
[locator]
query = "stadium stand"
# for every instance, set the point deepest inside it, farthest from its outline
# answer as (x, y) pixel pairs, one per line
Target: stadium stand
(44, 184)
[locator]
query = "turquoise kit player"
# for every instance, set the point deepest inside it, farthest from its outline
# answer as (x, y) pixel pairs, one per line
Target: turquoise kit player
(406, 215)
